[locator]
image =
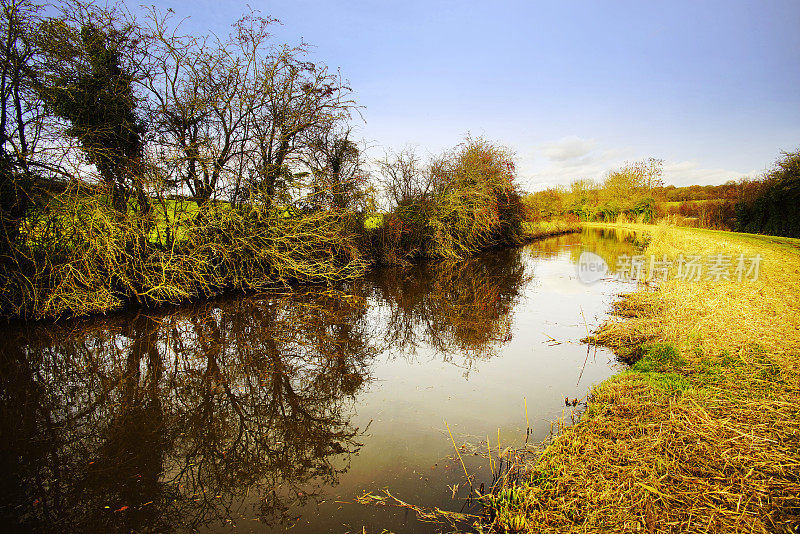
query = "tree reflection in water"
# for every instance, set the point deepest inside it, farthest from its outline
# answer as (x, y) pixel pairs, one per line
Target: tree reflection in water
(460, 309)
(608, 243)
(149, 423)
(176, 420)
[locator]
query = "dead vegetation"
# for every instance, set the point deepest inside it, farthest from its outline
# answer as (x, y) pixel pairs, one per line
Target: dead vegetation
(702, 434)
(83, 258)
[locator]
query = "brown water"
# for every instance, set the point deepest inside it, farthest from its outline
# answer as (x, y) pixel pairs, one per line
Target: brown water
(272, 411)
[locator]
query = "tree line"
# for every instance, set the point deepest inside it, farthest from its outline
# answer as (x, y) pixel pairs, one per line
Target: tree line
(629, 191)
(767, 204)
(139, 163)
(140, 110)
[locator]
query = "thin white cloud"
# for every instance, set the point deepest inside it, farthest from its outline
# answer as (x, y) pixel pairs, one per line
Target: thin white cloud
(566, 160)
(569, 149)
(682, 173)
(572, 158)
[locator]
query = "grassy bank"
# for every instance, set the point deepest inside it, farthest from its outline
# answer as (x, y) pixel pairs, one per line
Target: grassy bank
(702, 433)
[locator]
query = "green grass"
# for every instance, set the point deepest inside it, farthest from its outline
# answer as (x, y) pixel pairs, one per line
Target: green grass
(659, 357)
(677, 203)
(171, 219)
(661, 366)
(790, 243)
(373, 221)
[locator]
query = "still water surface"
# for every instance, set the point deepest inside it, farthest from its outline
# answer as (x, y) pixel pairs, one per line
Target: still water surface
(272, 411)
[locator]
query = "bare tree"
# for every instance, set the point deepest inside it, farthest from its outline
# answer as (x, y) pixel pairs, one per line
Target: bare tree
(233, 117)
(21, 114)
(197, 103)
(295, 102)
(404, 177)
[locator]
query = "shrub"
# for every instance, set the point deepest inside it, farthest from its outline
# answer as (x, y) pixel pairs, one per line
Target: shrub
(772, 206)
(81, 256)
(474, 204)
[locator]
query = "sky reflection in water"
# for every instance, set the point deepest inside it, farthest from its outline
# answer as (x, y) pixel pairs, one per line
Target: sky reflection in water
(261, 412)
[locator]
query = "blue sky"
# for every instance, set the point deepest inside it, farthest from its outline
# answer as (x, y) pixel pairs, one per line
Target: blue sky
(574, 88)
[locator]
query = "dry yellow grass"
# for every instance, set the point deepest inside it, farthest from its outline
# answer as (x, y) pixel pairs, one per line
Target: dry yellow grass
(729, 315)
(703, 433)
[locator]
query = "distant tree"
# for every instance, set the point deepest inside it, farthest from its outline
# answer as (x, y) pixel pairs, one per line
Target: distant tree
(624, 188)
(583, 197)
(644, 207)
(772, 205)
(651, 171)
(545, 204)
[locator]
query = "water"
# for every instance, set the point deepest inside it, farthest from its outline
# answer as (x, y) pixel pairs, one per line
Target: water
(271, 411)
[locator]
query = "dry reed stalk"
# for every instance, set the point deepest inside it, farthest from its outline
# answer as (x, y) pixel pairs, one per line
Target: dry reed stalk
(466, 474)
(431, 515)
